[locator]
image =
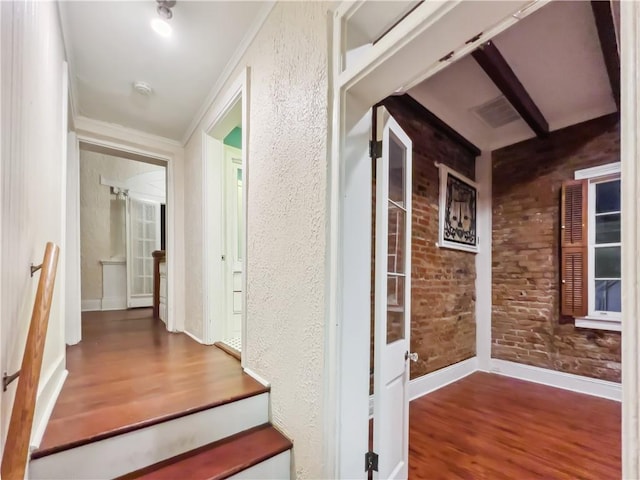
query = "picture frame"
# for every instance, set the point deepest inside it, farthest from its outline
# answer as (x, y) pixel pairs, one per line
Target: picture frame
(458, 211)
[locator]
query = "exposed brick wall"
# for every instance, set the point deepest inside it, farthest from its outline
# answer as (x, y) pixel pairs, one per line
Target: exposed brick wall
(443, 328)
(526, 324)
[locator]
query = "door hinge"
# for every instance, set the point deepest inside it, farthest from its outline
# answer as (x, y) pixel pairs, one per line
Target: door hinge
(375, 149)
(370, 462)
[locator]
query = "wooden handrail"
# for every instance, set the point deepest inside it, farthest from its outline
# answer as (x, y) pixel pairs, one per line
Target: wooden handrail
(16, 447)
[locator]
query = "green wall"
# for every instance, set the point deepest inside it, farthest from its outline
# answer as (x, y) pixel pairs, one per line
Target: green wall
(234, 139)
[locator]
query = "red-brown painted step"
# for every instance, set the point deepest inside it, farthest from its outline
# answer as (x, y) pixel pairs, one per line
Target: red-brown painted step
(220, 459)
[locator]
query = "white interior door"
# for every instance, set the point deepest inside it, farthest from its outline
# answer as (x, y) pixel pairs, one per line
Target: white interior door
(143, 237)
(234, 244)
(392, 303)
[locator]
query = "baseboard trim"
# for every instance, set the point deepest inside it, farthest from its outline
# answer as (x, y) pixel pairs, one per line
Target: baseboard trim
(50, 388)
(199, 340)
(114, 303)
(431, 382)
(91, 305)
(256, 377)
(421, 386)
(553, 378)
(418, 387)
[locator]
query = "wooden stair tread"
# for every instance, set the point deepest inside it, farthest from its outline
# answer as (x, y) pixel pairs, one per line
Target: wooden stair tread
(129, 373)
(112, 421)
(220, 459)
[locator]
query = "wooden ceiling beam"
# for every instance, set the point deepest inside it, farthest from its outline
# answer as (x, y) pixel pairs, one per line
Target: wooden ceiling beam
(420, 111)
(609, 44)
(496, 67)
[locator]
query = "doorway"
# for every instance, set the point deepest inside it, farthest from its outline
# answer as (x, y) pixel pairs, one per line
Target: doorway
(356, 90)
(121, 216)
(224, 226)
(122, 227)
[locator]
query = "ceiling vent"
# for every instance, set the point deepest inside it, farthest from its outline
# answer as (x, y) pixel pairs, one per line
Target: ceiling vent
(497, 112)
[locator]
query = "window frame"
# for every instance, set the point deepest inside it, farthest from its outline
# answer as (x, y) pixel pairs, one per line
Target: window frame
(596, 319)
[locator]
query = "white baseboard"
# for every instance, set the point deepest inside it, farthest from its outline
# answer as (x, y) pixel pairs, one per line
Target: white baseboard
(553, 378)
(51, 383)
(421, 386)
(256, 377)
(199, 340)
(114, 303)
(91, 305)
(433, 381)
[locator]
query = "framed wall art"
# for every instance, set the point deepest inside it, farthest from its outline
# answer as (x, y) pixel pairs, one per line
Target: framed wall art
(458, 211)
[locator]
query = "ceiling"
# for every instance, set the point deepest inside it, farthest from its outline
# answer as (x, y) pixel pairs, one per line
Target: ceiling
(555, 53)
(110, 45)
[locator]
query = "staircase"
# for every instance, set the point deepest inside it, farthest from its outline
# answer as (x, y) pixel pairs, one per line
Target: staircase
(139, 402)
(229, 439)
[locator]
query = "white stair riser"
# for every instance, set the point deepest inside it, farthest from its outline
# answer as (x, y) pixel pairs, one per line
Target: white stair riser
(274, 468)
(116, 456)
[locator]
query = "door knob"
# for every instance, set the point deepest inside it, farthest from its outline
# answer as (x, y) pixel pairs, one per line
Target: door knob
(413, 356)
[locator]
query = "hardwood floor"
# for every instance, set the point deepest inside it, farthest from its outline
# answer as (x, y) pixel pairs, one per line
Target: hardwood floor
(129, 372)
(492, 427)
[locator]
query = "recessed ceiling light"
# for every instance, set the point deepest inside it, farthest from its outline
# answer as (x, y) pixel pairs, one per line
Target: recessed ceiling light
(161, 27)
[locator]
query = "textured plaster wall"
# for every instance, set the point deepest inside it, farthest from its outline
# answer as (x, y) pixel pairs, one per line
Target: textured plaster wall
(32, 183)
(101, 215)
(287, 214)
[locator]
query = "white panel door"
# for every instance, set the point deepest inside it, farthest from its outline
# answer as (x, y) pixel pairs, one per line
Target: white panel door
(392, 303)
(143, 237)
(234, 242)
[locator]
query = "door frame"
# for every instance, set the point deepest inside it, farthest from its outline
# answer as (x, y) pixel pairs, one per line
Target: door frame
(214, 271)
(126, 143)
(395, 63)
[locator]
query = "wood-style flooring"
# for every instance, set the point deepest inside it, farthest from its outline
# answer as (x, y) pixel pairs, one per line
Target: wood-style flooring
(129, 372)
(492, 427)
(220, 459)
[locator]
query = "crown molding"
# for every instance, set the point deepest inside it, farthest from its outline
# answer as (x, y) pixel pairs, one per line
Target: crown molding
(232, 64)
(89, 128)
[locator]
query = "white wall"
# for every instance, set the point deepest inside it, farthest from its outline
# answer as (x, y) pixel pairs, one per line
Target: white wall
(287, 217)
(193, 235)
(102, 227)
(32, 173)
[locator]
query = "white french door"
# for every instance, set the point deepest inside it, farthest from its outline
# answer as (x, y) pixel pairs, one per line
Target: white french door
(392, 302)
(142, 237)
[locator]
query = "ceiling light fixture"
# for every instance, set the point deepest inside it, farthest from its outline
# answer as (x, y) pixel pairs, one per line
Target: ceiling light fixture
(164, 8)
(160, 25)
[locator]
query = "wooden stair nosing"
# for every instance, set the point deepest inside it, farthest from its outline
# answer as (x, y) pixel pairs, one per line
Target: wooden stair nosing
(39, 453)
(221, 459)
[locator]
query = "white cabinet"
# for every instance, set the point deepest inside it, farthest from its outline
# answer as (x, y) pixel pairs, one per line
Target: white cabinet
(114, 284)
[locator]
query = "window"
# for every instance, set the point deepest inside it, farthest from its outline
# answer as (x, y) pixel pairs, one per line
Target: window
(591, 245)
